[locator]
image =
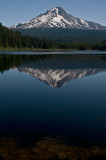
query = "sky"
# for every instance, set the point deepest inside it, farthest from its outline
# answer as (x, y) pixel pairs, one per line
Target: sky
(13, 12)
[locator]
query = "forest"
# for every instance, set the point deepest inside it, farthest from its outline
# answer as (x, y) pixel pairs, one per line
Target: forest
(15, 40)
(65, 34)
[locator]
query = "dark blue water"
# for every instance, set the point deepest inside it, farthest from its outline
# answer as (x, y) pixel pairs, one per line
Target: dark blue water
(56, 96)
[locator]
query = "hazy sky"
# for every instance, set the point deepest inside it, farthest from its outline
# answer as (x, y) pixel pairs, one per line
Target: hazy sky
(14, 11)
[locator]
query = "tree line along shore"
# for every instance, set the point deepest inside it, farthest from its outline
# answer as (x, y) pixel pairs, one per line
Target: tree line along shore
(14, 40)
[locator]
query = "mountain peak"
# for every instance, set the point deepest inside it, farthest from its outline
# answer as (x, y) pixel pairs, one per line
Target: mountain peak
(59, 10)
(53, 10)
(57, 17)
(56, 8)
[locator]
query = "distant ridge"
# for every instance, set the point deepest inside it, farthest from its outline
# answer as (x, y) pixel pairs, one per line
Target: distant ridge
(57, 17)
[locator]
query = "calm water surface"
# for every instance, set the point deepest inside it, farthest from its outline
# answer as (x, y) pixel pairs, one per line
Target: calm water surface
(55, 96)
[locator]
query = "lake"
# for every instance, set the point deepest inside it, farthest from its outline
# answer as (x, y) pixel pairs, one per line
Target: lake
(52, 106)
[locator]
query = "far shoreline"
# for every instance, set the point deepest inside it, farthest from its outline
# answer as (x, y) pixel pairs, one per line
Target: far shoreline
(48, 51)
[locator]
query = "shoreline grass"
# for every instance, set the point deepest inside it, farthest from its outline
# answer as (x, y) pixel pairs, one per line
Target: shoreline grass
(43, 50)
(33, 50)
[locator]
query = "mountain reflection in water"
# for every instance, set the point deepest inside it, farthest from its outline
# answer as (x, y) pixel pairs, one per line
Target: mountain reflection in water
(55, 70)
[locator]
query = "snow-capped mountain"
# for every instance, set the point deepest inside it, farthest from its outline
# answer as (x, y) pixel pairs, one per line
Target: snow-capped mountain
(59, 18)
